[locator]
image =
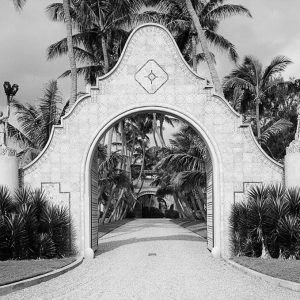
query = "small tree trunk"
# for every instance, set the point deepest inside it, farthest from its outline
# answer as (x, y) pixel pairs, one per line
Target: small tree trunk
(264, 252)
(203, 42)
(71, 55)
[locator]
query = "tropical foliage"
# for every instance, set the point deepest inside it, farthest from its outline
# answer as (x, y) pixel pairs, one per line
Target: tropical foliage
(250, 82)
(19, 4)
(103, 28)
(31, 227)
(35, 122)
(267, 224)
(181, 173)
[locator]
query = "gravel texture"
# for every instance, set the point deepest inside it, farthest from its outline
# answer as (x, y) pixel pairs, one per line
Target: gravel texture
(154, 259)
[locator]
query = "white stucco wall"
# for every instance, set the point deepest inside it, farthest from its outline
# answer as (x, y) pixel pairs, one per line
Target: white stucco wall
(9, 168)
(236, 157)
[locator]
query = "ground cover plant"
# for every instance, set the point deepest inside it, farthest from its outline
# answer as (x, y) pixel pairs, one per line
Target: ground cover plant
(267, 224)
(17, 270)
(31, 227)
(278, 268)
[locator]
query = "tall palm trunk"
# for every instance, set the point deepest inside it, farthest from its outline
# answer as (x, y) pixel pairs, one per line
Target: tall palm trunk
(71, 55)
(124, 146)
(105, 58)
(161, 130)
(106, 209)
(186, 207)
(194, 53)
(123, 215)
(155, 129)
(194, 206)
(200, 199)
(154, 132)
(143, 161)
(257, 102)
(109, 142)
(178, 206)
(203, 42)
(103, 41)
(116, 206)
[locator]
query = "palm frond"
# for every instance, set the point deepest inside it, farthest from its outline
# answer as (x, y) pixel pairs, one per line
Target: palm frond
(277, 65)
(227, 10)
(275, 129)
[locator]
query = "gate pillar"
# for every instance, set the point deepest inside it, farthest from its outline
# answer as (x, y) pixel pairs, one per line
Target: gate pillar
(292, 165)
(9, 168)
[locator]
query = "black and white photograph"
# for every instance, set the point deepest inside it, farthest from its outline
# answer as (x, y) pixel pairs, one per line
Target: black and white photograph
(150, 149)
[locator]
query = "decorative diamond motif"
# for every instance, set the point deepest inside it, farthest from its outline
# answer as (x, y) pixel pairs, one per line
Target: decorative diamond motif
(151, 76)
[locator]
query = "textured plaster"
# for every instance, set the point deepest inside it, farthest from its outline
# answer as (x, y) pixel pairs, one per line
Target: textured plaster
(236, 157)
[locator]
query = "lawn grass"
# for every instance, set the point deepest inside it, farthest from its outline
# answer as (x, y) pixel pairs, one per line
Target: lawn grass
(16, 270)
(283, 269)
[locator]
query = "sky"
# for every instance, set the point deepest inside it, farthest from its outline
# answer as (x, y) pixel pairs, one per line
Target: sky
(25, 36)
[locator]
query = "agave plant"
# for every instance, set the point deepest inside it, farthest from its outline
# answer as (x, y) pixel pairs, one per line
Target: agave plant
(293, 198)
(238, 222)
(30, 227)
(6, 204)
(270, 219)
(289, 234)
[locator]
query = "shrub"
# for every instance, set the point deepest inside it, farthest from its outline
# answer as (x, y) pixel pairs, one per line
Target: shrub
(171, 214)
(267, 224)
(130, 214)
(31, 227)
(152, 212)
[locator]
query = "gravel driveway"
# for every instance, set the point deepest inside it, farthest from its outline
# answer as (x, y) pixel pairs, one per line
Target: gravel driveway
(154, 259)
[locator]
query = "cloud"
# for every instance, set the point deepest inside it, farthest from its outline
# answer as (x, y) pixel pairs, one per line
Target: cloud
(25, 37)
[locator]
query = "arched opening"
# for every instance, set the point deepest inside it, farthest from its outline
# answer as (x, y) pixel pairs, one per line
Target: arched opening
(149, 205)
(213, 173)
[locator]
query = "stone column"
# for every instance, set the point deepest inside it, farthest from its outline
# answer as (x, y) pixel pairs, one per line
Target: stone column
(292, 165)
(9, 168)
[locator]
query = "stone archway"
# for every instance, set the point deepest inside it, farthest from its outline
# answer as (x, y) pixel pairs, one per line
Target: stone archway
(151, 75)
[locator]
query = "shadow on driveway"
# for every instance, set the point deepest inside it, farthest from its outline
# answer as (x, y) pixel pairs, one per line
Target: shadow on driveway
(134, 227)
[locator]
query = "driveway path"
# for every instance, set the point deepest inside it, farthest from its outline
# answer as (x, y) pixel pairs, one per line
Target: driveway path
(154, 259)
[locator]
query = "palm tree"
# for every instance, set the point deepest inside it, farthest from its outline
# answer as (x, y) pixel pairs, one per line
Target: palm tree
(36, 122)
(71, 54)
(193, 21)
(183, 170)
(256, 80)
(66, 6)
(102, 27)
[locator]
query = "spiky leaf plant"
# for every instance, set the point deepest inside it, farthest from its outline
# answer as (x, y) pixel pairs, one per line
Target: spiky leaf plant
(289, 234)
(259, 216)
(6, 203)
(293, 198)
(239, 228)
(57, 223)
